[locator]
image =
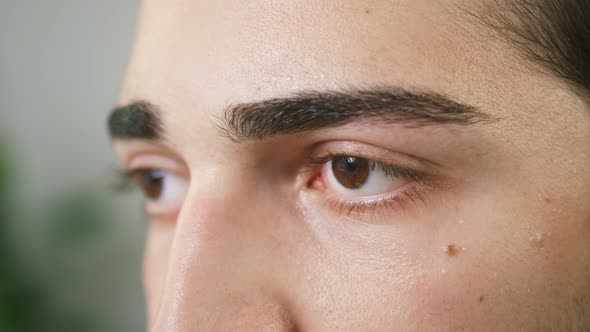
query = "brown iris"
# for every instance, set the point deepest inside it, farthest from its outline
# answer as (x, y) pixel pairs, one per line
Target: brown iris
(151, 183)
(351, 172)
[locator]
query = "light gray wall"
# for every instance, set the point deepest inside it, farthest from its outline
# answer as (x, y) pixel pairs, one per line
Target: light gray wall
(61, 63)
(60, 66)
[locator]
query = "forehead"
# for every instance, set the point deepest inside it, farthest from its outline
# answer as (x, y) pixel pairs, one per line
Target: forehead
(264, 48)
(194, 58)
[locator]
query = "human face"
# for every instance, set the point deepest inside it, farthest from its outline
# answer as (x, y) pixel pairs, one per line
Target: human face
(377, 215)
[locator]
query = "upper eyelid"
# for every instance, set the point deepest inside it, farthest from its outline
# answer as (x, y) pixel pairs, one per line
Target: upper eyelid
(129, 150)
(372, 152)
(394, 169)
(323, 159)
(146, 156)
(149, 161)
(404, 167)
(155, 159)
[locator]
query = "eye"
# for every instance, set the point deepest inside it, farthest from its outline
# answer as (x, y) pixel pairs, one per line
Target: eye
(359, 177)
(164, 191)
(353, 185)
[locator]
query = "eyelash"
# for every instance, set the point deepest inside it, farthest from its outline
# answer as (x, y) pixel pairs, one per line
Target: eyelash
(398, 202)
(389, 169)
(123, 180)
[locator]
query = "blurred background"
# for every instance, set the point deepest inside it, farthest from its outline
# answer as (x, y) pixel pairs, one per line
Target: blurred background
(70, 248)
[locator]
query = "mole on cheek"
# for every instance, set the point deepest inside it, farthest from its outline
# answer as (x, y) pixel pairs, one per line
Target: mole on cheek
(480, 299)
(451, 250)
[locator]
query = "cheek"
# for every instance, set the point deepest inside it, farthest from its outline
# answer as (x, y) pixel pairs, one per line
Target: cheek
(524, 263)
(469, 267)
(156, 254)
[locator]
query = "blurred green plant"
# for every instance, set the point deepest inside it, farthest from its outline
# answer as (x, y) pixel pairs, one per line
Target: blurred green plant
(18, 297)
(48, 292)
(69, 264)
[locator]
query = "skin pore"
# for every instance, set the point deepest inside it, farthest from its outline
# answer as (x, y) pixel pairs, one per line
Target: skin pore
(479, 222)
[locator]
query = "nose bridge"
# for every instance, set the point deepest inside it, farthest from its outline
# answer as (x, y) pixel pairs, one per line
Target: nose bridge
(219, 272)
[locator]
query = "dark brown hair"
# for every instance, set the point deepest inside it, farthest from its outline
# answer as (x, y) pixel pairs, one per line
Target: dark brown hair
(554, 34)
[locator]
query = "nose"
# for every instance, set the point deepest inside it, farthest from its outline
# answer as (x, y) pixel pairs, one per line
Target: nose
(226, 268)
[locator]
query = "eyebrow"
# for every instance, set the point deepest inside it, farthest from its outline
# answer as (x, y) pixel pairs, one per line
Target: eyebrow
(139, 119)
(310, 110)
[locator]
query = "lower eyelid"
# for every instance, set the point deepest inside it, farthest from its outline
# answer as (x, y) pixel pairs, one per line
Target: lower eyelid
(153, 210)
(384, 206)
(395, 191)
(394, 201)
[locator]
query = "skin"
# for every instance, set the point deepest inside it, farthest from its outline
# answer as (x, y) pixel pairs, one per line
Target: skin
(500, 242)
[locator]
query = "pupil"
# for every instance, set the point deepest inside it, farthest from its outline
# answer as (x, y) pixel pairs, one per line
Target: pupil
(351, 165)
(350, 172)
(152, 184)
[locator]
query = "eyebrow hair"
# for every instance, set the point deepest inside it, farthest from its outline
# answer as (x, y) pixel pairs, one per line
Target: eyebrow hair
(311, 110)
(139, 119)
(308, 110)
